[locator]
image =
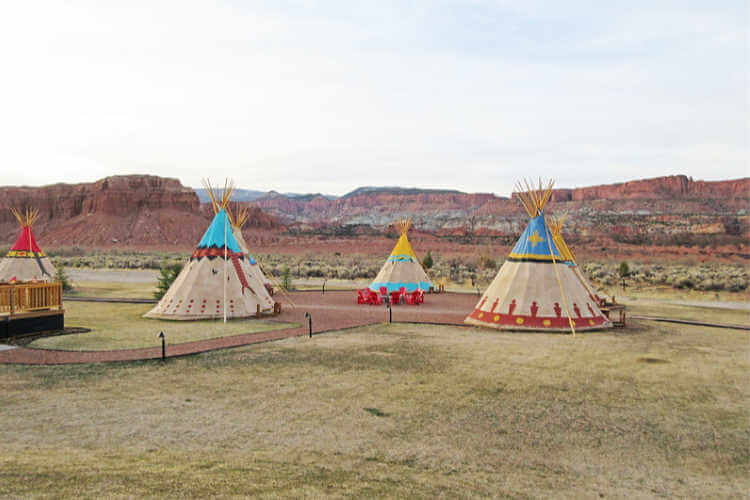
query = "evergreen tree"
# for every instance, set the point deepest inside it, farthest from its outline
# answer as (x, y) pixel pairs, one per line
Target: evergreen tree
(62, 277)
(427, 261)
(624, 269)
(286, 278)
(167, 275)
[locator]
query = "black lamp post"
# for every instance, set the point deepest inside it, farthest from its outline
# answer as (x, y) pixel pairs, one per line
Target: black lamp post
(309, 322)
(163, 346)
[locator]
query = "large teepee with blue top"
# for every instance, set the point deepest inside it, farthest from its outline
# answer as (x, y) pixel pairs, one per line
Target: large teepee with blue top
(537, 287)
(198, 292)
(402, 268)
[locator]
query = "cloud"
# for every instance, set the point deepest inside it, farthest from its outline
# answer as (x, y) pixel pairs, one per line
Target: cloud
(309, 96)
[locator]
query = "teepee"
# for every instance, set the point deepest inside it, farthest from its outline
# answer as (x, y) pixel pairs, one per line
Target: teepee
(402, 268)
(26, 261)
(238, 218)
(536, 289)
(217, 274)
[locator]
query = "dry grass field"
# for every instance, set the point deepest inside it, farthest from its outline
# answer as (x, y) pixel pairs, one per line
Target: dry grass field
(122, 326)
(393, 411)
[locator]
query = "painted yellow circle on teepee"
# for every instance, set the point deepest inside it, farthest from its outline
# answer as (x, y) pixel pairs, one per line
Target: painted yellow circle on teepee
(591, 322)
(497, 317)
(546, 322)
(481, 315)
(519, 321)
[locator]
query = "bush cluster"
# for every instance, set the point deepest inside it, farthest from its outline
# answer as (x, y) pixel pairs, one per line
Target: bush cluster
(705, 277)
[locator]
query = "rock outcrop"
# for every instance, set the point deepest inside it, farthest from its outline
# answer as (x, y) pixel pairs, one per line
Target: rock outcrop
(126, 210)
(643, 203)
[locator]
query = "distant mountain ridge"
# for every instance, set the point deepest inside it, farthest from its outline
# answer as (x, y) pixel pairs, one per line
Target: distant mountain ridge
(252, 195)
(150, 211)
(397, 190)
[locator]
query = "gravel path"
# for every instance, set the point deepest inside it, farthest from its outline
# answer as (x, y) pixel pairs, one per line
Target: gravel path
(330, 312)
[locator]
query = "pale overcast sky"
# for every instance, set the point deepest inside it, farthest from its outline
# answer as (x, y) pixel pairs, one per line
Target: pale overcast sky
(310, 96)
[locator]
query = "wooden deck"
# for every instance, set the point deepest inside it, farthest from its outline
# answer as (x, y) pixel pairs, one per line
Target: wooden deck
(30, 307)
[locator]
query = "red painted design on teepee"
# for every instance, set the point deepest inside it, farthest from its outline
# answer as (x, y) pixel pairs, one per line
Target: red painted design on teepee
(558, 310)
(494, 305)
(591, 310)
(534, 322)
(482, 303)
(241, 275)
(512, 307)
(534, 309)
(26, 242)
(577, 310)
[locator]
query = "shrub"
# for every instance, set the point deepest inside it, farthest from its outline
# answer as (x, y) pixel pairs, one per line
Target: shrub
(63, 278)
(685, 282)
(623, 270)
(427, 261)
(167, 275)
(286, 278)
(486, 262)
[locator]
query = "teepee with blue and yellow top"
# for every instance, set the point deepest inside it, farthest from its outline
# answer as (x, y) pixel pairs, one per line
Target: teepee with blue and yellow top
(402, 269)
(537, 287)
(218, 279)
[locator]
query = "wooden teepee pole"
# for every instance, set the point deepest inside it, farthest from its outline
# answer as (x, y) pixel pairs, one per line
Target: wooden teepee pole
(559, 281)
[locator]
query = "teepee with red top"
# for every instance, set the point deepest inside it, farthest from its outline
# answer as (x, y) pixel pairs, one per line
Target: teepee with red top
(26, 261)
(538, 286)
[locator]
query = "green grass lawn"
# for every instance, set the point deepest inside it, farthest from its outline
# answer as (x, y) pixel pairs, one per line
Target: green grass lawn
(647, 307)
(121, 326)
(393, 411)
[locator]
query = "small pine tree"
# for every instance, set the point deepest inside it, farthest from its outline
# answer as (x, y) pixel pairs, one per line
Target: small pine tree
(63, 278)
(167, 275)
(427, 261)
(623, 270)
(286, 278)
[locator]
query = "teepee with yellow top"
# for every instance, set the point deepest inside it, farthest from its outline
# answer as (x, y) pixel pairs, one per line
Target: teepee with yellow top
(402, 269)
(537, 287)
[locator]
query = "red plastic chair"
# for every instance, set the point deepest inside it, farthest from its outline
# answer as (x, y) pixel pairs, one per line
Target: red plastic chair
(395, 298)
(421, 296)
(375, 299)
(361, 298)
(383, 291)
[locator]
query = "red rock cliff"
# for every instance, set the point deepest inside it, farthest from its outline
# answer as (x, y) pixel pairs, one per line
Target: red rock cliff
(127, 210)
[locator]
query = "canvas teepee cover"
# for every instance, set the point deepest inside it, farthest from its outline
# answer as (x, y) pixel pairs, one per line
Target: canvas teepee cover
(402, 268)
(26, 261)
(555, 227)
(535, 288)
(197, 292)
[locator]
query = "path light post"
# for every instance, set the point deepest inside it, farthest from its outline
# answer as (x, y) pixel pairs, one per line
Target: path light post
(390, 313)
(163, 346)
(324, 285)
(309, 322)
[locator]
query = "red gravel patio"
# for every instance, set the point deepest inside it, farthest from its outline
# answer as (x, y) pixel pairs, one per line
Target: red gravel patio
(333, 311)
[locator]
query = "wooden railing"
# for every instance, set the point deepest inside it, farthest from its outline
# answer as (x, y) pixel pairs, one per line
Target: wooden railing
(30, 297)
